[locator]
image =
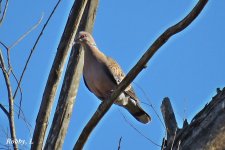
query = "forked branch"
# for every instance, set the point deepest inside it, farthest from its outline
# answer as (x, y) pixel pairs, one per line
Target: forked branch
(11, 101)
(104, 106)
(4, 11)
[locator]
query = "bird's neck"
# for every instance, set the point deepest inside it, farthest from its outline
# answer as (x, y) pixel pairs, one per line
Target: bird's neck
(91, 50)
(90, 44)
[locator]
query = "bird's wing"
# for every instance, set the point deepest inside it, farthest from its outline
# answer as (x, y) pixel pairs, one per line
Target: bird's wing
(118, 75)
(115, 70)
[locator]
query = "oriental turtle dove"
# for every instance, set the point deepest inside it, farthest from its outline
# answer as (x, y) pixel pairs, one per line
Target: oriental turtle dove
(102, 74)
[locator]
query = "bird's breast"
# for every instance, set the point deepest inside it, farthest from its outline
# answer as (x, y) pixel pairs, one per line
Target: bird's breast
(97, 79)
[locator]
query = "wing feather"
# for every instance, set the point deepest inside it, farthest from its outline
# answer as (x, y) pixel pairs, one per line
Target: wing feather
(118, 75)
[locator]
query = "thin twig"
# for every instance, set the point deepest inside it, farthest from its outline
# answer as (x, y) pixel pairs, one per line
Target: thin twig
(9, 62)
(4, 12)
(139, 132)
(120, 142)
(11, 105)
(151, 105)
(6, 147)
(28, 125)
(4, 110)
(21, 93)
(10, 69)
(35, 44)
(6, 133)
(26, 33)
(22, 116)
(8, 57)
(3, 45)
(105, 105)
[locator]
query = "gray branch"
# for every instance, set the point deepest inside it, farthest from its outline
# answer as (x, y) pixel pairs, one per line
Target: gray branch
(4, 110)
(64, 47)
(104, 106)
(70, 84)
(4, 12)
(11, 102)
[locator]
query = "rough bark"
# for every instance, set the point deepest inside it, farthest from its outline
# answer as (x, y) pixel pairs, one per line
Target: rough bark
(64, 47)
(170, 120)
(141, 64)
(70, 84)
(206, 130)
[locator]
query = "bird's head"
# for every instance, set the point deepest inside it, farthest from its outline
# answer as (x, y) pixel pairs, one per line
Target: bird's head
(84, 37)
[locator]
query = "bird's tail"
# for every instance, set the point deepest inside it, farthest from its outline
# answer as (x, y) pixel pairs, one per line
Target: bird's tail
(137, 112)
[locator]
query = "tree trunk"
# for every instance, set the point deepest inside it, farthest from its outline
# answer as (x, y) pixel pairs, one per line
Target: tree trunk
(206, 130)
(63, 49)
(70, 84)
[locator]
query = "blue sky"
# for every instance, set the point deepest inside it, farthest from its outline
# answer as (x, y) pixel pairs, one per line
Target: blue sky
(187, 69)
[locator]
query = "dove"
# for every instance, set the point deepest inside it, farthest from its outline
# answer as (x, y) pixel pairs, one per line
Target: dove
(102, 74)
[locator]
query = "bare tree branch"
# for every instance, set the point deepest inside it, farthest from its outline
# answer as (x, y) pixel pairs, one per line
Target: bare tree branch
(3, 45)
(70, 84)
(10, 68)
(4, 12)
(9, 65)
(28, 125)
(22, 116)
(8, 57)
(4, 110)
(21, 93)
(32, 50)
(139, 132)
(104, 106)
(11, 101)
(64, 47)
(28, 32)
(150, 105)
(120, 142)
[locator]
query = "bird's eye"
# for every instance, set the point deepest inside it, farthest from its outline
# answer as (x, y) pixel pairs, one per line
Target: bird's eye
(82, 36)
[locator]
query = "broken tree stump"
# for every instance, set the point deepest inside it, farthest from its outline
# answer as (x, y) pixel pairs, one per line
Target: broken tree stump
(205, 132)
